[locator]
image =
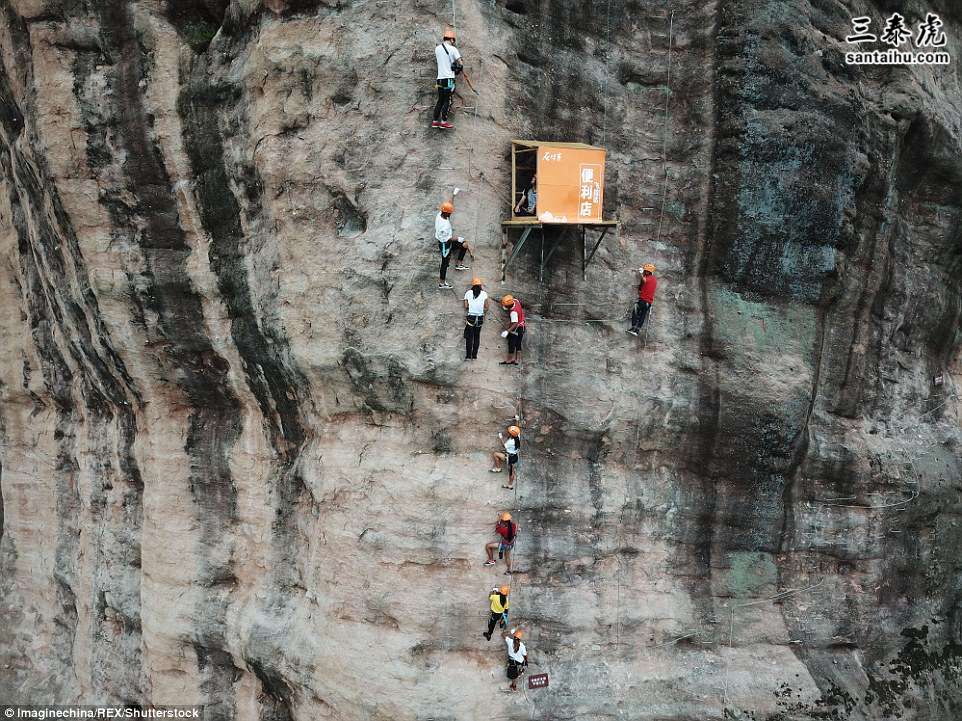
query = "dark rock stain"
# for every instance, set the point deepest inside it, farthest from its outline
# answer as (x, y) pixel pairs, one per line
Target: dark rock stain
(212, 110)
(277, 697)
(151, 221)
(219, 675)
(66, 324)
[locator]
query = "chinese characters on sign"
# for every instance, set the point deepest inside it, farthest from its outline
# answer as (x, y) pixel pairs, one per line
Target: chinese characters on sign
(539, 680)
(571, 182)
(590, 195)
(896, 32)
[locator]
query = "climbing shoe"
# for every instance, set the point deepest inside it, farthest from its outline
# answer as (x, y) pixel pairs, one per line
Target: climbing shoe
(435, 123)
(486, 635)
(444, 124)
(462, 267)
(632, 331)
(489, 563)
(447, 285)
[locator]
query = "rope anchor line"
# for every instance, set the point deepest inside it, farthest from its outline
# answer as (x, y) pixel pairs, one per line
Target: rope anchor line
(731, 625)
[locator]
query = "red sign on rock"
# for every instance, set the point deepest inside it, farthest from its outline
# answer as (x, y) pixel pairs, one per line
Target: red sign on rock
(539, 680)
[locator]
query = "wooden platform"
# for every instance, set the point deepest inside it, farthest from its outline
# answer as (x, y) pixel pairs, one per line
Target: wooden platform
(532, 220)
(525, 220)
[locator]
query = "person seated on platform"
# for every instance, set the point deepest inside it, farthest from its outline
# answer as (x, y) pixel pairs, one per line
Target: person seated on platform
(529, 199)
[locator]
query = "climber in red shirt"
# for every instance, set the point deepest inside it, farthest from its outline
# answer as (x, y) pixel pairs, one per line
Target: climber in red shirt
(646, 296)
(507, 531)
(515, 330)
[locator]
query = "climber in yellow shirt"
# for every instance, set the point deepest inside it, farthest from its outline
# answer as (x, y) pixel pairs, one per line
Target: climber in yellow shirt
(499, 609)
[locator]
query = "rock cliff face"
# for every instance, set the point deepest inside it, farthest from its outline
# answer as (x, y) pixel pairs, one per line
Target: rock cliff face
(243, 463)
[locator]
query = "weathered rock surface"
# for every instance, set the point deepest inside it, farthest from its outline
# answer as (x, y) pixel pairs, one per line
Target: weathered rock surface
(243, 464)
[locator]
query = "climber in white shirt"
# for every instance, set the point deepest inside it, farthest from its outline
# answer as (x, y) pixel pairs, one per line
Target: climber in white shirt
(449, 66)
(517, 656)
(443, 233)
(475, 306)
(511, 454)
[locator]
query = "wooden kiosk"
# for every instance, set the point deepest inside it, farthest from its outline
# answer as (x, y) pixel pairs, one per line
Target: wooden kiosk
(570, 191)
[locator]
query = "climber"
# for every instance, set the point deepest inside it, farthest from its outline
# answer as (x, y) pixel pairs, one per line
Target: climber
(515, 331)
(475, 306)
(517, 656)
(447, 244)
(529, 199)
(512, 448)
(507, 531)
(646, 296)
(499, 609)
(449, 66)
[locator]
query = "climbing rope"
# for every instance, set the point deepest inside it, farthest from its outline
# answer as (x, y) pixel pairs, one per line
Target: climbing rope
(904, 501)
(731, 626)
(581, 320)
(621, 538)
(673, 641)
(648, 322)
(664, 149)
(604, 89)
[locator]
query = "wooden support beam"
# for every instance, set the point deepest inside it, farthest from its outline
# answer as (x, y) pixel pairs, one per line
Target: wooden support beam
(541, 272)
(546, 258)
(584, 253)
(518, 245)
(514, 177)
(551, 252)
(594, 250)
(504, 251)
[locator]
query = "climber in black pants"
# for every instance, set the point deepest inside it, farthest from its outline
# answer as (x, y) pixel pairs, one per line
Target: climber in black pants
(450, 65)
(499, 603)
(475, 305)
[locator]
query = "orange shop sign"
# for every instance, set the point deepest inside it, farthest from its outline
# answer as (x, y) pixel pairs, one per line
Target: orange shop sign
(571, 184)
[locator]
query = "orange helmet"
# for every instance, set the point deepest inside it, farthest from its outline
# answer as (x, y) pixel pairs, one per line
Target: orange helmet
(449, 34)
(447, 207)
(514, 431)
(503, 590)
(476, 281)
(505, 516)
(507, 301)
(650, 267)
(517, 633)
